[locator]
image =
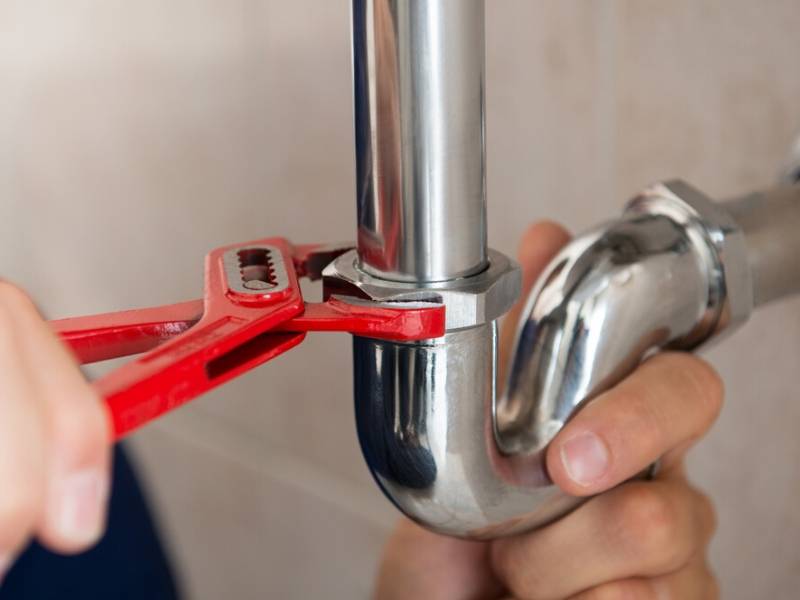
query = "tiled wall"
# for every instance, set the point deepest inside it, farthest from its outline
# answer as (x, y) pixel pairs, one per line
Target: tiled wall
(135, 135)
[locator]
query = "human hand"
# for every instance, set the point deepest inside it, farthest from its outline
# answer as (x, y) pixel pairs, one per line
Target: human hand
(641, 539)
(54, 438)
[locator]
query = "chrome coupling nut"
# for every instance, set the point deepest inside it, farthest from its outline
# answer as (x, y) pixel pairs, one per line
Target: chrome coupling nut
(720, 241)
(469, 301)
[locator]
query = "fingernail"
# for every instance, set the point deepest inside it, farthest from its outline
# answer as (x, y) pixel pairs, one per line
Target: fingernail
(585, 458)
(81, 508)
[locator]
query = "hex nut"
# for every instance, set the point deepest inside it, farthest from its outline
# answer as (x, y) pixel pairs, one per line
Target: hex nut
(469, 301)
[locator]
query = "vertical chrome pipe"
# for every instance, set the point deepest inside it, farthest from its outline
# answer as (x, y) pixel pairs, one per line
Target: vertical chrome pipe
(423, 409)
(418, 82)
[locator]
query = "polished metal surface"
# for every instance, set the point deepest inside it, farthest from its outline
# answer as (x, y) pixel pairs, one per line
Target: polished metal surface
(451, 454)
(770, 222)
(418, 85)
(422, 408)
(469, 301)
(707, 224)
(424, 418)
(255, 270)
(674, 271)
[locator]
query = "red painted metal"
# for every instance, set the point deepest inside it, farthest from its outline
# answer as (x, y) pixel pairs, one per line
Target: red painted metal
(102, 337)
(192, 347)
(369, 320)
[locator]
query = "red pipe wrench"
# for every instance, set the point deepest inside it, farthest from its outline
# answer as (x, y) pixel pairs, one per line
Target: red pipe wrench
(252, 311)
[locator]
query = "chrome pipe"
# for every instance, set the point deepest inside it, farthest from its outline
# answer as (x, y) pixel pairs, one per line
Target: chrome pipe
(676, 270)
(476, 469)
(424, 419)
(422, 408)
(770, 222)
(418, 70)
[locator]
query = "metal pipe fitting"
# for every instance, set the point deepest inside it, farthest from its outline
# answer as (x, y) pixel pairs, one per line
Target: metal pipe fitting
(418, 84)
(770, 222)
(674, 271)
(422, 408)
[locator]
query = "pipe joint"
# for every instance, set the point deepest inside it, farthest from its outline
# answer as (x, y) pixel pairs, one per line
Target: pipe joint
(469, 301)
(718, 238)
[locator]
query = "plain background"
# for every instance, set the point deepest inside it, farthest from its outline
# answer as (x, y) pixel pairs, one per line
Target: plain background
(135, 135)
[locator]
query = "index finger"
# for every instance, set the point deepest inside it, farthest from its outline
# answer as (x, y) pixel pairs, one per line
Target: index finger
(666, 403)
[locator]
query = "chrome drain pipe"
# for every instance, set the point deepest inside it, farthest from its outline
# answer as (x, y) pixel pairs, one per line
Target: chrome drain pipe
(418, 70)
(674, 271)
(421, 409)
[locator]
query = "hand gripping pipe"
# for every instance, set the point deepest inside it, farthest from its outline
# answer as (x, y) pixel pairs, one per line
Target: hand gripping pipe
(675, 270)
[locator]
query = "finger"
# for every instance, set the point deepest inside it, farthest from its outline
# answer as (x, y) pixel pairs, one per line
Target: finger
(668, 402)
(640, 529)
(77, 437)
(538, 246)
(418, 563)
(693, 582)
(22, 452)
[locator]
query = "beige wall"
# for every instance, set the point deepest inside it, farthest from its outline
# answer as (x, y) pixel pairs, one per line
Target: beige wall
(135, 135)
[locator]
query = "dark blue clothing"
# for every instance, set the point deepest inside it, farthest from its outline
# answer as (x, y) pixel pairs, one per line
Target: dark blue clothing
(129, 563)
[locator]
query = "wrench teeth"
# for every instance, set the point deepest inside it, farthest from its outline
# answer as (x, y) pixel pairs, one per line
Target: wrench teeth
(255, 271)
(256, 268)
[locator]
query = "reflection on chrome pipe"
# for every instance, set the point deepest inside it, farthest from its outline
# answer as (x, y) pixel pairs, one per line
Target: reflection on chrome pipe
(456, 458)
(418, 82)
(422, 409)
(674, 271)
(424, 418)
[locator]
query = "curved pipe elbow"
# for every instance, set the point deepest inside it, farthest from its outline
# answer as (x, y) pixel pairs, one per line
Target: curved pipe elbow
(457, 458)
(603, 303)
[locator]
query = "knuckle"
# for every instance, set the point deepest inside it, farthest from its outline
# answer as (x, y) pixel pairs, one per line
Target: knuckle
(651, 528)
(643, 508)
(647, 419)
(512, 566)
